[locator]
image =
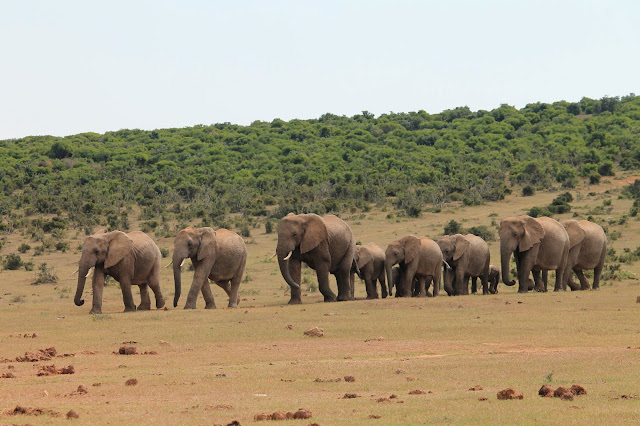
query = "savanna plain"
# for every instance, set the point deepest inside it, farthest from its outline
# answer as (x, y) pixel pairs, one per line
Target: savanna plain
(218, 366)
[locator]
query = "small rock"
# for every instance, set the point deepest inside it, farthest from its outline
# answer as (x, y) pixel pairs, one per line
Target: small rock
(509, 393)
(81, 390)
(349, 379)
(567, 397)
(261, 417)
(73, 415)
(560, 391)
(546, 391)
(350, 396)
(400, 371)
(417, 392)
(302, 414)
(127, 350)
(289, 327)
(483, 398)
(578, 390)
(314, 332)
(278, 415)
(383, 400)
(393, 396)
(476, 388)
(131, 382)
(374, 416)
(8, 376)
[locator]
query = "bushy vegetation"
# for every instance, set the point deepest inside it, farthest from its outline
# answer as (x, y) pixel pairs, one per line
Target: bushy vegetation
(330, 164)
(559, 205)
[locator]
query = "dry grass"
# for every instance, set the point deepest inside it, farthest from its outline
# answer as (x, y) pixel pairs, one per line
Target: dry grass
(224, 365)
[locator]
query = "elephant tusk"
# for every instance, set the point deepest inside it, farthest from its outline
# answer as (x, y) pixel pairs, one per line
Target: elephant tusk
(274, 255)
(76, 272)
(288, 256)
(170, 263)
(89, 273)
(183, 260)
(446, 264)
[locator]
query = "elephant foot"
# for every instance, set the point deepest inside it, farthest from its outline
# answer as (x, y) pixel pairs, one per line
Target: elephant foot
(558, 289)
(130, 309)
(96, 311)
(373, 296)
(596, 288)
(210, 306)
(160, 304)
(190, 306)
(232, 305)
(295, 301)
(144, 307)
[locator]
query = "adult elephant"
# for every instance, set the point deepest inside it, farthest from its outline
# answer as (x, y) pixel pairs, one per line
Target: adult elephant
(368, 264)
(465, 256)
(537, 244)
(418, 257)
(131, 259)
(588, 250)
(218, 255)
(326, 244)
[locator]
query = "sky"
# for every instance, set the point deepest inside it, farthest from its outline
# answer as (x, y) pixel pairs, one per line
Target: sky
(68, 67)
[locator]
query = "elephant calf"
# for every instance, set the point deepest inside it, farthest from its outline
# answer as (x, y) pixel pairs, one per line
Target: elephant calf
(494, 279)
(368, 264)
(465, 256)
(420, 258)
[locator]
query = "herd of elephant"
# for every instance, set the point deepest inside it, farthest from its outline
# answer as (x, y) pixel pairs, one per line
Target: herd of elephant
(327, 245)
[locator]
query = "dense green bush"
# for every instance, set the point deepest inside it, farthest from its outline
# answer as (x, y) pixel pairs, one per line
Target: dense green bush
(12, 262)
(325, 165)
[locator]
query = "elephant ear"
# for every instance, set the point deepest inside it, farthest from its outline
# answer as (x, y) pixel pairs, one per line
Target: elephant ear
(207, 247)
(119, 246)
(575, 231)
(462, 245)
(315, 232)
(363, 257)
(533, 233)
(411, 248)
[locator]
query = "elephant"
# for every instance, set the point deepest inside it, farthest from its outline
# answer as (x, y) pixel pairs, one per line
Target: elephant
(397, 274)
(465, 256)
(326, 244)
(219, 255)
(537, 244)
(588, 250)
(418, 257)
(131, 259)
(368, 264)
(494, 279)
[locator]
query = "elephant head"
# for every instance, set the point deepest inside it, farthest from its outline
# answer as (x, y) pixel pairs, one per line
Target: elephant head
(193, 243)
(101, 250)
(519, 233)
(453, 247)
(401, 252)
(361, 257)
(298, 234)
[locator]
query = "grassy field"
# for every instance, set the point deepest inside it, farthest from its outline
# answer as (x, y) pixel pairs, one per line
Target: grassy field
(217, 366)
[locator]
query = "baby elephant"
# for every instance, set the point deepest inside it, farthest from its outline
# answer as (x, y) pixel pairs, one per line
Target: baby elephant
(465, 256)
(397, 275)
(368, 264)
(494, 279)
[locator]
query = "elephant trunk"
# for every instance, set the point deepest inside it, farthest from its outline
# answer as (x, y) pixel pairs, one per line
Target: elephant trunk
(388, 269)
(82, 278)
(505, 258)
(177, 277)
(283, 263)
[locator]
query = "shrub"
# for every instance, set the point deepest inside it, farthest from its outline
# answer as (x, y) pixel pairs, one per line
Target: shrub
(528, 191)
(268, 227)
(453, 227)
(12, 262)
(45, 275)
(483, 232)
(539, 211)
(24, 247)
(165, 252)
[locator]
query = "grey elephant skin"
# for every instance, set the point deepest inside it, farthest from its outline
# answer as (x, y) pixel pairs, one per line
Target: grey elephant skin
(368, 264)
(588, 249)
(217, 255)
(418, 257)
(494, 280)
(537, 244)
(466, 256)
(398, 277)
(326, 244)
(131, 259)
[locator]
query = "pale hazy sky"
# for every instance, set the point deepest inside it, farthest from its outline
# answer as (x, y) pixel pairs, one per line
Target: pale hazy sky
(73, 66)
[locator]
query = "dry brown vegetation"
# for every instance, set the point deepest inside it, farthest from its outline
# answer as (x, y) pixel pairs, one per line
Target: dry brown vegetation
(225, 365)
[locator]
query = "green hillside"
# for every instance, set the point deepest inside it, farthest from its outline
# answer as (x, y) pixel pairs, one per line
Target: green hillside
(414, 160)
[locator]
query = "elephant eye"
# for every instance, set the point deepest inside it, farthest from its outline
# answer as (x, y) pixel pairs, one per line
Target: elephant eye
(96, 251)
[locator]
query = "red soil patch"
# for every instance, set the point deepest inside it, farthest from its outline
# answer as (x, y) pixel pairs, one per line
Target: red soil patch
(509, 393)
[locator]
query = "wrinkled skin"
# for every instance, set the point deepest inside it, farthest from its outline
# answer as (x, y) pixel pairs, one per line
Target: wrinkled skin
(219, 256)
(418, 257)
(326, 244)
(131, 259)
(588, 249)
(368, 264)
(537, 244)
(467, 256)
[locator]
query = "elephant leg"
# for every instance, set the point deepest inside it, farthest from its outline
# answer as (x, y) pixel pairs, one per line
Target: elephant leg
(207, 294)
(322, 272)
(97, 284)
(436, 283)
(154, 285)
(344, 285)
(568, 278)
(200, 277)
(485, 284)
(537, 279)
(462, 286)
(524, 268)
(145, 300)
(597, 272)
(383, 285)
(421, 287)
(127, 296)
(233, 291)
(474, 285)
(372, 292)
(584, 284)
(296, 274)
(448, 285)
